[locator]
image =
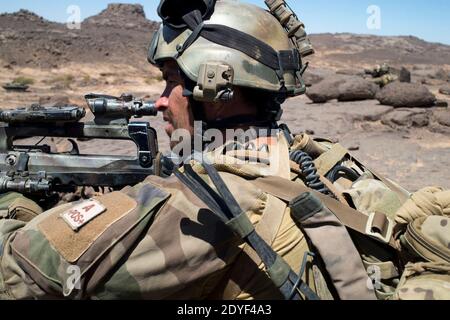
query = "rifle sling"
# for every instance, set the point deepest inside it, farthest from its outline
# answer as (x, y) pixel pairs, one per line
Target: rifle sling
(225, 206)
(288, 190)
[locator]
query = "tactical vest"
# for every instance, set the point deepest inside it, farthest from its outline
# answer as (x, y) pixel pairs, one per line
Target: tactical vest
(366, 211)
(374, 228)
(395, 232)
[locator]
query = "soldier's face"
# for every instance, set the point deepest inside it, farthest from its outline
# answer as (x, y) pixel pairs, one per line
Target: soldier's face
(175, 108)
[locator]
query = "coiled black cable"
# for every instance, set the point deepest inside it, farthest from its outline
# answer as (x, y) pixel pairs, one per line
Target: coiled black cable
(309, 170)
(344, 171)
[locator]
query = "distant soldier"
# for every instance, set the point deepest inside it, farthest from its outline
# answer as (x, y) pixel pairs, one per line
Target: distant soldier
(381, 75)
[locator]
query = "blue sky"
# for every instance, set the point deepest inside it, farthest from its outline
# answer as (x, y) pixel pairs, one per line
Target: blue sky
(425, 19)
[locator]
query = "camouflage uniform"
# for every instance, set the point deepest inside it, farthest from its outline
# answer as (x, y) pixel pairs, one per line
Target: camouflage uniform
(384, 80)
(156, 240)
(16, 206)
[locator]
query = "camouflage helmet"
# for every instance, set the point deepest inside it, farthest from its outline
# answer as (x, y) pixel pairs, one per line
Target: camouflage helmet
(382, 69)
(225, 44)
(385, 67)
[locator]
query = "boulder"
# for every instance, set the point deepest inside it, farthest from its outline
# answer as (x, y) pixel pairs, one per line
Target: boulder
(408, 95)
(445, 90)
(407, 118)
(325, 90)
(404, 75)
(311, 78)
(356, 89)
(420, 120)
(441, 104)
(443, 117)
(441, 74)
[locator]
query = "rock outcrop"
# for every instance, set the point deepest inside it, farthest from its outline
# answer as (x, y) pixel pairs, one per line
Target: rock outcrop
(406, 95)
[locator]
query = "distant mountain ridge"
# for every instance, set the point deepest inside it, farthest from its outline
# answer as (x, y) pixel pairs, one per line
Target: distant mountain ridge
(121, 34)
(398, 50)
(121, 15)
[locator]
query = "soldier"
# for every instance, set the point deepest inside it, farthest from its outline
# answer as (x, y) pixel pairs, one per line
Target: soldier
(251, 218)
(381, 75)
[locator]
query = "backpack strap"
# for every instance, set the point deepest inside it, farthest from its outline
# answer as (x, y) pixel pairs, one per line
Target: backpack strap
(335, 246)
(376, 226)
(329, 159)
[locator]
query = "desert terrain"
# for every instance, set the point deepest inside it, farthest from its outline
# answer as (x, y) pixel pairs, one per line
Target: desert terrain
(108, 55)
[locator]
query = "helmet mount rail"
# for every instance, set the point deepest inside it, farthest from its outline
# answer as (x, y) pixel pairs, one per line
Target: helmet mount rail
(214, 83)
(294, 27)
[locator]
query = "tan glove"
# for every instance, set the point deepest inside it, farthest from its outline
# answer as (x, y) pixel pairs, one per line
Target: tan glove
(430, 201)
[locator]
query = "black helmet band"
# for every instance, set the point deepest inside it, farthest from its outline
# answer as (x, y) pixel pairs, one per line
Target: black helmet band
(172, 11)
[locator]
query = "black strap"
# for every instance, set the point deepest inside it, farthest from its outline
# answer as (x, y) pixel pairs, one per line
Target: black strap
(192, 184)
(194, 21)
(289, 59)
(243, 42)
(271, 259)
(227, 208)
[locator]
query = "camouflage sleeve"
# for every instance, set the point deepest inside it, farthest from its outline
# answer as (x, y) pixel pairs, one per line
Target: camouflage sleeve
(153, 241)
(16, 206)
(9, 270)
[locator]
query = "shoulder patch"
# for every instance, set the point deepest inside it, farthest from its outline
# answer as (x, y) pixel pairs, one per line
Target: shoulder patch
(71, 242)
(81, 214)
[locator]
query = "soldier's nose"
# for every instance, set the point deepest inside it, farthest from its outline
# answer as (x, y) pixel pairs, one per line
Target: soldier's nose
(162, 104)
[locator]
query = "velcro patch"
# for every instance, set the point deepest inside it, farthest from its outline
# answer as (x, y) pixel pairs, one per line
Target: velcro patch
(73, 244)
(82, 213)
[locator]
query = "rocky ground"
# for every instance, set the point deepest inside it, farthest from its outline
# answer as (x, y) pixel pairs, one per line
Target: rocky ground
(108, 55)
(382, 137)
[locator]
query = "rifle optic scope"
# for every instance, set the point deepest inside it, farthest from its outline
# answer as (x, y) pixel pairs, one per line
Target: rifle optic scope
(125, 105)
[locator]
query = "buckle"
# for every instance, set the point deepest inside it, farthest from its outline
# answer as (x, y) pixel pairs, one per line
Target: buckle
(371, 229)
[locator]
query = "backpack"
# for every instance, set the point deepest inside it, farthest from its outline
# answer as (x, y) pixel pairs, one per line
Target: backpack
(425, 246)
(417, 266)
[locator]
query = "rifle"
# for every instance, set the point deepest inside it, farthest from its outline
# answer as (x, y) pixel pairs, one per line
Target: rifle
(34, 170)
(370, 72)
